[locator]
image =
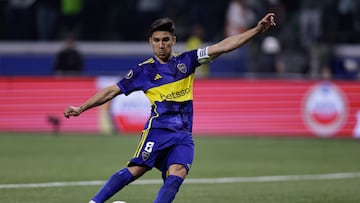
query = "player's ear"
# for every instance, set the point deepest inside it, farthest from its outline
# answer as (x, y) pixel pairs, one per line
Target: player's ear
(174, 39)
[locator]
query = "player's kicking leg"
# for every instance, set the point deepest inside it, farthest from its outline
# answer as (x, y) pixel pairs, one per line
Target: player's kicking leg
(118, 181)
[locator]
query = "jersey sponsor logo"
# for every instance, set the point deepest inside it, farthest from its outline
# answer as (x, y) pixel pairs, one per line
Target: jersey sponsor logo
(129, 74)
(325, 109)
(177, 94)
(178, 91)
(182, 67)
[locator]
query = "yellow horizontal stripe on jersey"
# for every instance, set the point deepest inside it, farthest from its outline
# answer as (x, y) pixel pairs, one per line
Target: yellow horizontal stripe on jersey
(178, 91)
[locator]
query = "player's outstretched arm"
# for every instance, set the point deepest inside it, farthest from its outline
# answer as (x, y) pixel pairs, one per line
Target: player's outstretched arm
(99, 98)
(233, 42)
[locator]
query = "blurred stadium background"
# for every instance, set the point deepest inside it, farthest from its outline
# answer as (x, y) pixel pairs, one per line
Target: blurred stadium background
(278, 106)
(298, 79)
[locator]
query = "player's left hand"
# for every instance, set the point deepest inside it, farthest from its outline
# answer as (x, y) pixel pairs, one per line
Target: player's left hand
(72, 111)
(265, 23)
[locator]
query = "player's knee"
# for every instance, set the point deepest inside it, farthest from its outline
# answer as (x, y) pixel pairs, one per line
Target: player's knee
(137, 171)
(178, 170)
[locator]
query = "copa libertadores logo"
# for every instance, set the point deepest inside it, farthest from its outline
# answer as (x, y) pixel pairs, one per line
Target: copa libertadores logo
(324, 109)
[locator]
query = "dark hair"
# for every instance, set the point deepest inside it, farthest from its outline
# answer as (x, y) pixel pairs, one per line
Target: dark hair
(163, 24)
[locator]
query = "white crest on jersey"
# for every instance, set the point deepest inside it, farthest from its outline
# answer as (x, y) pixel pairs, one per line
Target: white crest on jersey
(182, 67)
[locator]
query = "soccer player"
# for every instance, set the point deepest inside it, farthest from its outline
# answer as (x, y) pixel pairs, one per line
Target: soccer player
(167, 80)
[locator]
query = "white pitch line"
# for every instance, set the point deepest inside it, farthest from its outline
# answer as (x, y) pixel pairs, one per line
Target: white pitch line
(327, 176)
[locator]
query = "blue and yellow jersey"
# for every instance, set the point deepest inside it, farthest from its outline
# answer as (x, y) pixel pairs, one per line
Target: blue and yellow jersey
(169, 87)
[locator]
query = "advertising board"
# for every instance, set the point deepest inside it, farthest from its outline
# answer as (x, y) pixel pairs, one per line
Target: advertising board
(229, 107)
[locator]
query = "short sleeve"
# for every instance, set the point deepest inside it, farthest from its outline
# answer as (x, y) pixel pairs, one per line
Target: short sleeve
(133, 81)
(193, 58)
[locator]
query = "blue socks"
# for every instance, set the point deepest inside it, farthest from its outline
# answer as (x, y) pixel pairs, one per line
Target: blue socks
(169, 189)
(123, 177)
(113, 185)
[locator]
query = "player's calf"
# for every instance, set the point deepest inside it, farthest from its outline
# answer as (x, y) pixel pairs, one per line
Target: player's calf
(169, 189)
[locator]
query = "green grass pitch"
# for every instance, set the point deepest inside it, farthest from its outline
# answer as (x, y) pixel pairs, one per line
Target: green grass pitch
(30, 158)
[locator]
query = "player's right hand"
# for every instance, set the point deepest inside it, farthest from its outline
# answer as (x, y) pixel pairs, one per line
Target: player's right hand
(265, 23)
(72, 111)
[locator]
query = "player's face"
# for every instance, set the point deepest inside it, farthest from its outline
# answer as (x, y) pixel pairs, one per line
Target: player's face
(162, 42)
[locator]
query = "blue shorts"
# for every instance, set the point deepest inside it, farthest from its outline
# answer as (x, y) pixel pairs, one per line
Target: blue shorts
(161, 148)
